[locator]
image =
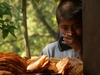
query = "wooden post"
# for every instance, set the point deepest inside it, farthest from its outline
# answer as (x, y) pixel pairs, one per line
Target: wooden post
(91, 37)
(25, 28)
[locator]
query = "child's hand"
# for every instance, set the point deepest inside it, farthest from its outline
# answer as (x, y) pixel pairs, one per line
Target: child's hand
(73, 41)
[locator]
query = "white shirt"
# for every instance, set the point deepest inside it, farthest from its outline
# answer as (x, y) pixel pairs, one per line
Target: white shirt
(52, 50)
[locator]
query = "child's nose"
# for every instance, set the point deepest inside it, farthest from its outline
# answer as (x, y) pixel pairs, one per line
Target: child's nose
(70, 31)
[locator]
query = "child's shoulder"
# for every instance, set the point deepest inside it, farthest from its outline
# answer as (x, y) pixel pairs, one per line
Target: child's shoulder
(51, 46)
(53, 43)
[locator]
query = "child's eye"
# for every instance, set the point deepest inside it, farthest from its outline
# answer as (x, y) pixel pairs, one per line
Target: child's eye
(77, 26)
(64, 28)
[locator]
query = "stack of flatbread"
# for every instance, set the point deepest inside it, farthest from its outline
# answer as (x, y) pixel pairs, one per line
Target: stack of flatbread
(12, 64)
(64, 66)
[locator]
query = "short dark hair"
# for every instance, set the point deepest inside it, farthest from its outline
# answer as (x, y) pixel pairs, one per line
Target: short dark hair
(69, 9)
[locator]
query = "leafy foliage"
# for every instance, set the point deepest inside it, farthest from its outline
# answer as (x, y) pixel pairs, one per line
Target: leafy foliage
(6, 25)
(40, 16)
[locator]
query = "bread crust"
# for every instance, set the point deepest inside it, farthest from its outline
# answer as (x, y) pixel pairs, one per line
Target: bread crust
(13, 63)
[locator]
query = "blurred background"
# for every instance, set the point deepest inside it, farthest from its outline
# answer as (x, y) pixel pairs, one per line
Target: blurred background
(41, 24)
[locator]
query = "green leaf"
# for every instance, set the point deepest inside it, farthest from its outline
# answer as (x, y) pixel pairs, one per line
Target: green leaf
(8, 12)
(4, 27)
(56, 1)
(1, 15)
(37, 1)
(2, 9)
(11, 30)
(5, 8)
(1, 12)
(4, 4)
(5, 33)
(1, 21)
(7, 20)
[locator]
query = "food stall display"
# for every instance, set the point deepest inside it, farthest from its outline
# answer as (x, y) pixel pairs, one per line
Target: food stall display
(13, 64)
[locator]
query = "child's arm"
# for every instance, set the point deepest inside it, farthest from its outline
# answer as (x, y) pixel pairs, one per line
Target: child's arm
(75, 42)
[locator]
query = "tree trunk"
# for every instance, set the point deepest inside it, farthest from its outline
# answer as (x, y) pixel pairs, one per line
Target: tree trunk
(25, 28)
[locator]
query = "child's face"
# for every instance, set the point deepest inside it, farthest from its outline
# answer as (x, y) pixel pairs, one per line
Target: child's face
(72, 27)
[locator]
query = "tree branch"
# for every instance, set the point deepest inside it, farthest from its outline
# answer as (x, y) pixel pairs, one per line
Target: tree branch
(11, 41)
(42, 18)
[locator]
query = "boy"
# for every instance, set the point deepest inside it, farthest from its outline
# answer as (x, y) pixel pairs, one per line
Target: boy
(69, 18)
